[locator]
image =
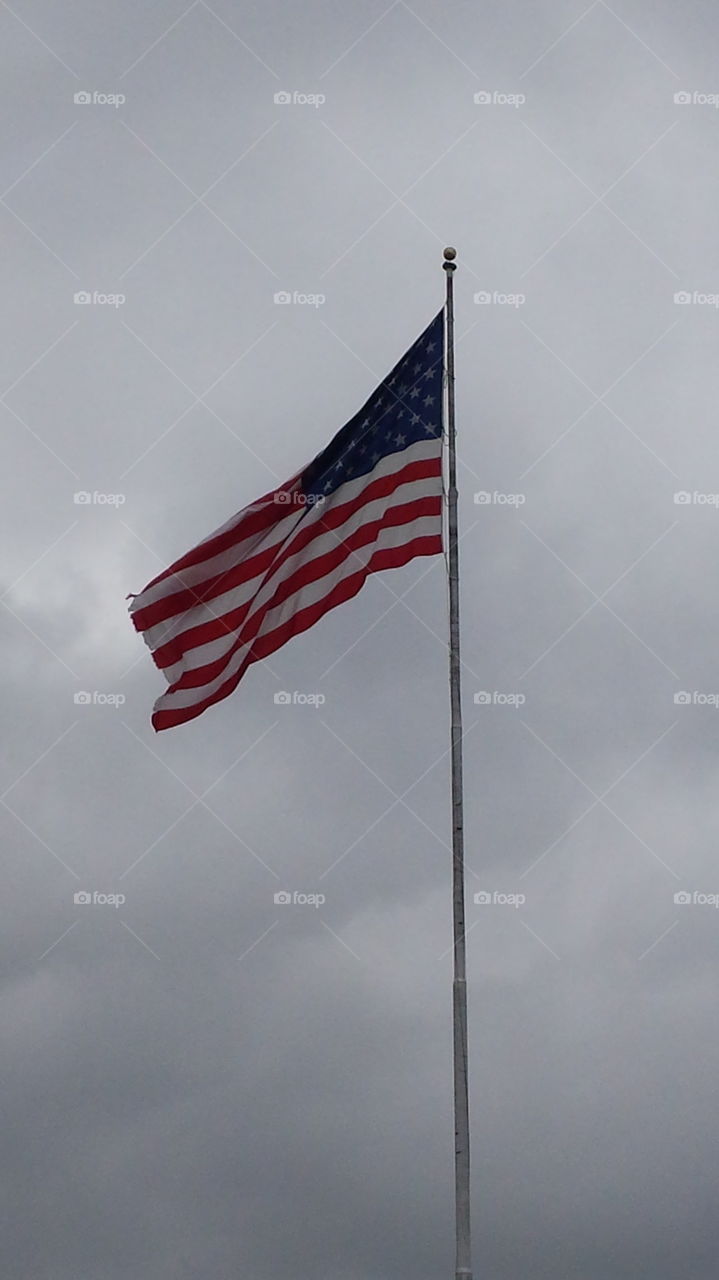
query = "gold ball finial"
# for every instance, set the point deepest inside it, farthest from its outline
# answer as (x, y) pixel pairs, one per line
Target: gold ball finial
(450, 254)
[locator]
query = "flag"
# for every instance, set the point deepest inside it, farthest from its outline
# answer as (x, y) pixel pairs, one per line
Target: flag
(371, 500)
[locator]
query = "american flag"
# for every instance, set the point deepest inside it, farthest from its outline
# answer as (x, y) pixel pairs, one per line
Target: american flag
(371, 500)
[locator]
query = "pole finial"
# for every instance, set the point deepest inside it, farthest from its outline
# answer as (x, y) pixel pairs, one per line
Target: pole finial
(449, 263)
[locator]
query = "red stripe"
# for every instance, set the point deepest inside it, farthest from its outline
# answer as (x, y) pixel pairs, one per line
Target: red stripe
(307, 572)
(168, 654)
(180, 601)
(259, 516)
(205, 632)
(390, 558)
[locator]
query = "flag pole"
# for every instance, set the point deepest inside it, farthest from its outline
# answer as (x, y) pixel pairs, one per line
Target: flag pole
(463, 1263)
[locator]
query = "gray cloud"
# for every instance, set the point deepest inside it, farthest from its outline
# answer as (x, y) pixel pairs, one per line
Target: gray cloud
(202, 1081)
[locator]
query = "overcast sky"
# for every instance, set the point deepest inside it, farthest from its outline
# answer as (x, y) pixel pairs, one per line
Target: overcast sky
(202, 1082)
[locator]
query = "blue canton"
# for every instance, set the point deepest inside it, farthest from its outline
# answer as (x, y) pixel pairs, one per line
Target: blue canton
(405, 408)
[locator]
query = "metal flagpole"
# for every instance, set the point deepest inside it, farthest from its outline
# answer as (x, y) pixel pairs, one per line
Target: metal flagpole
(463, 1264)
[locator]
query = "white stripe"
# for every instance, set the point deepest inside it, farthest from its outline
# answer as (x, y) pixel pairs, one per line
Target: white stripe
(200, 655)
(198, 573)
(276, 533)
(398, 536)
(163, 632)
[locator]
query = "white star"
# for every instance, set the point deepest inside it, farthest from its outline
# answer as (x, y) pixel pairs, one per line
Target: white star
(339, 465)
(414, 393)
(429, 373)
(399, 439)
(414, 419)
(417, 368)
(431, 346)
(375, 457)
(429, 429)
(401, 413)
(428, 400)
